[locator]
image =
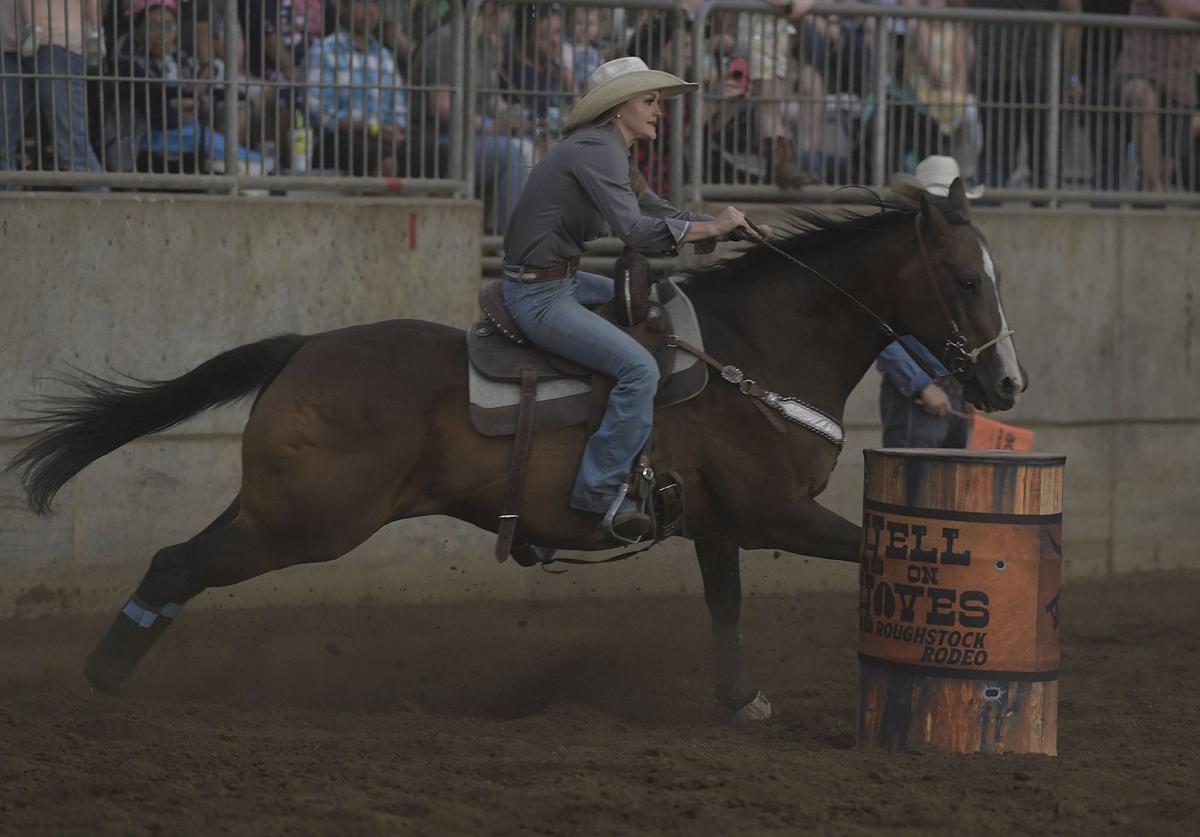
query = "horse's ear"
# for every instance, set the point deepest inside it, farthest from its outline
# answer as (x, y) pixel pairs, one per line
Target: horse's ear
(958, 198)
(932, 217)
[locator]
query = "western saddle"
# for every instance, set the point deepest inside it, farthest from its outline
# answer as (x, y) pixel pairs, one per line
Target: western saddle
(501, 358)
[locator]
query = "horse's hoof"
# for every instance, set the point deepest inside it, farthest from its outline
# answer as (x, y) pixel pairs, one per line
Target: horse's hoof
(758, 709)
(101, 683)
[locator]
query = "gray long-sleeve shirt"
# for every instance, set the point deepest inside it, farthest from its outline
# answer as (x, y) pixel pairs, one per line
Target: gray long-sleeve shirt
(580, 187)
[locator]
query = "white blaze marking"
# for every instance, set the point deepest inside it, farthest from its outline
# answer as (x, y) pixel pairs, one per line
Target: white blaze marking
(1006, 348)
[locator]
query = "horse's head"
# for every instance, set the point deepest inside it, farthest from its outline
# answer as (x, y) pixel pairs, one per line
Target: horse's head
(955, 302)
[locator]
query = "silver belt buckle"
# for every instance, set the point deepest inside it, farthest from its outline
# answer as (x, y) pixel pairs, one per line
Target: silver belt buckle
(516, 275)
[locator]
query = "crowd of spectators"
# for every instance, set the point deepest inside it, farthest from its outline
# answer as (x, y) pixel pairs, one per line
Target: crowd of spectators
(365, 87)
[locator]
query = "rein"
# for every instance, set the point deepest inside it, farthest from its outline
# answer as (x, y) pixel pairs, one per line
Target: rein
(884, 326)
(956, 357)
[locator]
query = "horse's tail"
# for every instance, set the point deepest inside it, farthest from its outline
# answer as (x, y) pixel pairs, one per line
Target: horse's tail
(103, 415)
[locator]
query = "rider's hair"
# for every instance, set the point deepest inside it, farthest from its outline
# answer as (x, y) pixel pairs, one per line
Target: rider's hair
(636, 179)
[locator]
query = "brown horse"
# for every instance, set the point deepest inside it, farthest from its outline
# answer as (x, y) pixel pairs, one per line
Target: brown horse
(356, 428)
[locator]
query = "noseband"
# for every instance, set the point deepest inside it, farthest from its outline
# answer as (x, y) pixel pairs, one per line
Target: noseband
(956, 357)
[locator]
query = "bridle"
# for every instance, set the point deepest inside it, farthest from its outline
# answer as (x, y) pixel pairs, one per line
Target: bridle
(957, 357)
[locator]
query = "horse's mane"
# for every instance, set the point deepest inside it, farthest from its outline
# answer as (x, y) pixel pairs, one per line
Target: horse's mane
(805, 230)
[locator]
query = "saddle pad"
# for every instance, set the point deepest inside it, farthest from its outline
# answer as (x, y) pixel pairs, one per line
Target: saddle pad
(566, 401)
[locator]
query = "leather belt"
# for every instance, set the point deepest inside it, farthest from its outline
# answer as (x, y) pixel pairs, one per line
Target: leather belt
(545, 274)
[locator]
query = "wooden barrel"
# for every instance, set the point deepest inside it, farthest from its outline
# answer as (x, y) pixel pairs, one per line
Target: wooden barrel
(958, 601)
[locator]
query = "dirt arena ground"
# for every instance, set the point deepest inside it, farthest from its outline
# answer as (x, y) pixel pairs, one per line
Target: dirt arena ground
(580, 717)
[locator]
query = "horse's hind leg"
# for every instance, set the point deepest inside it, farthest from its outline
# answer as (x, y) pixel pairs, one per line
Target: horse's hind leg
(229, 550)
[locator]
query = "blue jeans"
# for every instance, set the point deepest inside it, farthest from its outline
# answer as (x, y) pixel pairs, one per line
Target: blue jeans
(905, 425)
(62, 103)
(553, 316)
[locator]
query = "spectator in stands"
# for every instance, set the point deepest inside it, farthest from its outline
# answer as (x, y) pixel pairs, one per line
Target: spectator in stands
(732, 148)
(943, 117)
(583, 53)
(202, 36)
(654, 40)
(533, 71)
(503, 145)
(1014, 84)
(355, 96)
(1158, 72)
(766, 41)
(400, 20)
(47, 39)
(280, 33)
(1093, 85)
(897, 28)
(175, 109)
(816, 48)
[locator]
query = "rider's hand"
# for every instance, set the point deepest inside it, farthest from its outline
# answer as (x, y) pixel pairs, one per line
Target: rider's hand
(730, 219)
(933, 400)
(748, 234)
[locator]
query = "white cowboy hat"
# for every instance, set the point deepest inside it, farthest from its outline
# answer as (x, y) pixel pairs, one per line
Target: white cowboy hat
(616, 82)
(935, 174)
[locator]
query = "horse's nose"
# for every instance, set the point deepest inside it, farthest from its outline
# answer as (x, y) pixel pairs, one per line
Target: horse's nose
(1024, 378)
(1007, 389)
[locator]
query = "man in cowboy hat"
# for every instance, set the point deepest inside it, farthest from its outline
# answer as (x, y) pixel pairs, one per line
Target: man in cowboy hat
(919, 411)
(584, 184)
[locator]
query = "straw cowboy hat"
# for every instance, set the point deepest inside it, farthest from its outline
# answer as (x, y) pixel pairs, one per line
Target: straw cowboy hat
(935, 174)
(616, 82)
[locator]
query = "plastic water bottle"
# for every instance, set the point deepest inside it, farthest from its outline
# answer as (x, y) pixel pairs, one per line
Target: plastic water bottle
(299, 137)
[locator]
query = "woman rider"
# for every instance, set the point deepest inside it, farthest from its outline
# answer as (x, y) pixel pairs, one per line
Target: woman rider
(586, 181)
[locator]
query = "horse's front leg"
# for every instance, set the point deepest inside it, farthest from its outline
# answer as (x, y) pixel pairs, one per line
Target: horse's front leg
(720, 567)
(806, 528)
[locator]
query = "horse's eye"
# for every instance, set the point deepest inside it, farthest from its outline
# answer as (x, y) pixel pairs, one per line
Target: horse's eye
(966, 284)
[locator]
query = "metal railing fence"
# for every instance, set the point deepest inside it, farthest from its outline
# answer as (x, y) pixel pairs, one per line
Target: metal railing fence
(1046, 107)
(1034, 106)
(230, 95)
(290, 94)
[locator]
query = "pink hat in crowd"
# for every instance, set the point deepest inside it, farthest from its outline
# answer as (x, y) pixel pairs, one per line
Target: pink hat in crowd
(139, 6)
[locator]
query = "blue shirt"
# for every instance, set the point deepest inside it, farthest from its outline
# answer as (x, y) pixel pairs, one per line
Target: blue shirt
(369, 83)
(902, 372)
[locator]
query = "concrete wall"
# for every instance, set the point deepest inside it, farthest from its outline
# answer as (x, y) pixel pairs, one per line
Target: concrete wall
(1104, 304)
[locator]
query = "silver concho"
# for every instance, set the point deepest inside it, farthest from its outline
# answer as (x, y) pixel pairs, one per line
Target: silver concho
(732, 374)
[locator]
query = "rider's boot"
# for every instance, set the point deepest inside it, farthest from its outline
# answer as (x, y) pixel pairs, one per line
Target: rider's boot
(781, 154)
(624, 521)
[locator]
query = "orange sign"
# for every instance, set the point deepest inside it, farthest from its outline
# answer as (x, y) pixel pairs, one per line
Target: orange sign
(969, 594)
(989, 434)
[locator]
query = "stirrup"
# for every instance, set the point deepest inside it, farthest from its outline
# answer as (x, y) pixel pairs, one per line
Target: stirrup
(606, 525)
